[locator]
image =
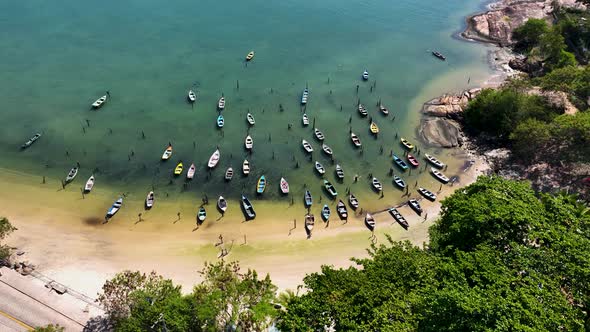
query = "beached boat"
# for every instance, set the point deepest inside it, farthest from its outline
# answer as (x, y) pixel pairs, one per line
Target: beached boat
(376, 184)
(326, 212)
(362, 110)
(261, 185)
(248, 208)
(220, 121)
(214, 159)
(374, 128)
(114, 208)
(330, 189)
(149, 200)
(439, 55)
(248, 142)
(429, 195)
(355, 140)
(304, 96)
(318, 134)
(413, 161)
(399, 218)
(201, 216)
(402, 164)
(306, 146)
(167, 153)
(320, 168)
(250, 119)
(399, 181)
(89, 184)
(222, 204)
(339, 172)
(354, 202)
(305, 120)
(178, 169)
(72, 174)
(284, 185)
(407, 144)
(341, 209)
(307, 198)
(309, 223)
(435, 162)
(250, 56)
(221, 103)
(439, 175)
(192, 97)
(229, 174)
(190, 174)
(383, 109)
(246, 167)
(327, 150)
(31, 141)
(365, 75)
(370, 222)
(99, 102)
(415, 206)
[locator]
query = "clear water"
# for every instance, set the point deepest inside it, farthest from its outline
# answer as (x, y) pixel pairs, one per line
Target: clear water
(57, 59)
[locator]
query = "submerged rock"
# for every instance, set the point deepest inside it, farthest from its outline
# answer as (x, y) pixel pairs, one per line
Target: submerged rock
(440, 132)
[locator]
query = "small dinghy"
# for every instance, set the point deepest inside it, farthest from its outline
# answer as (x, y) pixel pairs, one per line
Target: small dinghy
(284, 185)
(330, 189)
(190, 174)
(178, 169)
(220, 121)
(415, 206)
(439, 55)
(365, 75)
(398, 217)
(354, 203)
(318, 134)
(309, 223)
(306, 146)
(305, 119)
(149, 200)
(99, 102)
(402, 164)
(261, 185)
(341, 209)
(383, 109)
(439, 175)
(376, 184)
(201, 216)
(327, 150)
(229, 174)
(339, 172)
(31, 141)
(222, 204)
(362, 110)
(192, 97)
(370, 222)
(320, 168)
(407, 144)
(355, 140)
(373, 128)
(246, 167)
(304, 96)
(248, 208)
(413, 161)
(114, 208)
(399, 181)
(326, 212)
(89, 184)
(250, 56)
(307, 198)
(71, 174)
(214, 159)
(248, 142)
(434, 161)
(429, 195)
(250, 119)
(221, 103)
(167, 153)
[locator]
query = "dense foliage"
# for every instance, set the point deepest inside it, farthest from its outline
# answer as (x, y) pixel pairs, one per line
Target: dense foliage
(50, 328)
(5, 229)
(500, 259)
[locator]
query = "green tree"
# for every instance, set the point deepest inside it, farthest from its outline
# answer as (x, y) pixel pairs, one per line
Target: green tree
(530, 138)
(572, 134)
(49, 328)
(551, 46)
(5, 229)
(529, 34)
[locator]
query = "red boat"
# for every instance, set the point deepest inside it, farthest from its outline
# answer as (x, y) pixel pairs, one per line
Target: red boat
(413, 161)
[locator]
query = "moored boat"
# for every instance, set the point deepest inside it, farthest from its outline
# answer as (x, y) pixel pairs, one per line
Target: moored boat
(439, 175)
(190, 174)
(201, 216)
(402, 164)
(306, 146)
(261, 185)
(376, 184)
(250, 56)
(167, 153)
(354, 202)
(435, 162)
(326, 212)
(149, 200)
(178, 169)
(320, 168)
(439, 55)
(99, 102)
(284, 185)
(383, 109)
(250, 119)
(214, 159)
(307, 198)
(192, 97)
(370, 222)
(413, 161)
(305, 119)
(248, 208)
(407, 144)
(339, 172)
(229, 174)
(89, 184)
(248, 142)
(309, 223)
(330, 189)
(220, 121)
(327, 150)
(72, 174)
(398, 217)
(318, 134)
(221, 103)
(304, 96)
(246, 167)
(374, 128)
(415, 206)
(355, 140)
(399, 181)
(341, 209)
(31, 141)
(429, 195)
(365, 75)
(362, 110)
(114, 208)
(222, 204)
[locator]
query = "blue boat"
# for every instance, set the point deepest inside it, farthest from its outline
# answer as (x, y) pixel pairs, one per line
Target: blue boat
(326, 212)
(114, 209)
(308, 199)
(261, 185)
(402, 164)
(220, 121)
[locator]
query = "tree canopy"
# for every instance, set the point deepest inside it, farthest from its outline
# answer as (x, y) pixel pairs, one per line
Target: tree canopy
(5, 229)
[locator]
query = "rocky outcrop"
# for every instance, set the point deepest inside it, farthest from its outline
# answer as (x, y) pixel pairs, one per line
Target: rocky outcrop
(523, 64)
(440, 132)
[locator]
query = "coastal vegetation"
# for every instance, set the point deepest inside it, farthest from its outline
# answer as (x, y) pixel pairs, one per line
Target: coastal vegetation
(5, 229)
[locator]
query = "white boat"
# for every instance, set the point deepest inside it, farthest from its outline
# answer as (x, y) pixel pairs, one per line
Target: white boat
(246, 167)
(370, 222)
(31, 141)
(149, 200)
(308, 148)
(427, 193)
(99, 102)
(434, 161)
(250, 119)
(214, 159)
(167, 153)
(305, 120)
(309, 223)
(320, 168)
(222, 204)
(383, 109)
(72, 174)
(304, 96)
(318, 134)
(327, 150)
(355, 140)
(363, 110)
(354, 202)
(229, 174)
(114, 208)
(192, 97)
(248, 142)
(191, 172)
(284, 186)
(89, 184)
(365, 75)
(439, 175)
(221, 103)
(339, 172)
(376, 184)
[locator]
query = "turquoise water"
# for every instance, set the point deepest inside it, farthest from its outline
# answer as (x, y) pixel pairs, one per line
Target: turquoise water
(57, 59)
